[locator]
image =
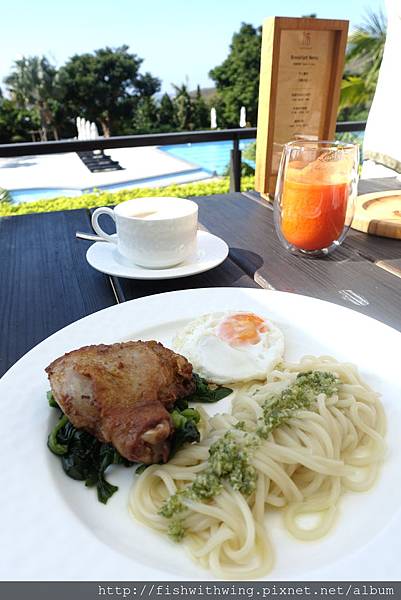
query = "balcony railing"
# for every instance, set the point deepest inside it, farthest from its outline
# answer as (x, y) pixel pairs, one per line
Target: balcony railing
(156, 139)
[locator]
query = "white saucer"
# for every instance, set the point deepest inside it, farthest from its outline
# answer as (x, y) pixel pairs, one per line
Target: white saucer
(211, 251)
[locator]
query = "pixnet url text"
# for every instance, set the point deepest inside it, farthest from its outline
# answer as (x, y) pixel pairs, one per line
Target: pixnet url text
(165, 590)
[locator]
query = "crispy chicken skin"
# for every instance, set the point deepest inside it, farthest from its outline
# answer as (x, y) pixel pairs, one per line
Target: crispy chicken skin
(121, 393)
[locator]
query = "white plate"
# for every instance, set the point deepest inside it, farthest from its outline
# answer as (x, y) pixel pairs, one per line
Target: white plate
(53, 528)
(211, 251)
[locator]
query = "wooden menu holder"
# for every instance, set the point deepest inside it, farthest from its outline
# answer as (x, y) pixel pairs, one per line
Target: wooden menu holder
(302, 64)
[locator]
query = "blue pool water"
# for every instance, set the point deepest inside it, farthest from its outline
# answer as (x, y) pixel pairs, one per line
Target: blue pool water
(211, 156)
(31, 195)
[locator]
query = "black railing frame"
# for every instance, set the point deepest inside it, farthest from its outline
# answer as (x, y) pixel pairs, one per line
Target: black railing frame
(156, 139)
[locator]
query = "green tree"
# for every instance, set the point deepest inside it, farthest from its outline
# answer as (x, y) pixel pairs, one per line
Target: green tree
(32, 85)
(167, 114)
(201, 111)
(146, 118)
(237, 78)
(183, 107)
(105, 87)
(363, 60)
(16, 123)
(147, 85)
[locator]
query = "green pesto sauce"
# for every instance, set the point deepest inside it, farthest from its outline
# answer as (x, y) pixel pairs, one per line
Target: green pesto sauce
(229, 459)
(300, 395)
(176, 530)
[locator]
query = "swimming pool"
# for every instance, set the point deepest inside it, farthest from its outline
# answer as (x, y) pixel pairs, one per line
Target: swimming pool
(211, 156)
(208, 158)
(19, 196)
(33, 194)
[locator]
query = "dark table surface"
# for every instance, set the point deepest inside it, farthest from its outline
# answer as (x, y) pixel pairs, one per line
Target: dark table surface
(46, 282)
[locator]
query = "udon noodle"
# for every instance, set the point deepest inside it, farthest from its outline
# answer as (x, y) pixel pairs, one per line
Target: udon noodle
(302, 469)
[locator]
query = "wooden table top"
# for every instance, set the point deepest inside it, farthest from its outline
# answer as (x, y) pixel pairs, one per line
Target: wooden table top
(47, 283)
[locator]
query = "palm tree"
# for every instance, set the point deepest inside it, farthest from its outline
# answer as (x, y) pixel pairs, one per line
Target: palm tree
(32, 85)
(364, 57)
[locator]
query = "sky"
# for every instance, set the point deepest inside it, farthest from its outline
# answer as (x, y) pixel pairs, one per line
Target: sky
(179, 40)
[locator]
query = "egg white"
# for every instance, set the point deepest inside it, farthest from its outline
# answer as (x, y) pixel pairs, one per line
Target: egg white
(219, 362)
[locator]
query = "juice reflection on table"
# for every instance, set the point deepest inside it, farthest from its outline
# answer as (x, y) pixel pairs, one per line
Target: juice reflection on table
(314, 203)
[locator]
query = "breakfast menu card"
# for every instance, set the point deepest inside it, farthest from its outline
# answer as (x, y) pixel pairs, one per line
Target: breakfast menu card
(301, 69)
(302, 87)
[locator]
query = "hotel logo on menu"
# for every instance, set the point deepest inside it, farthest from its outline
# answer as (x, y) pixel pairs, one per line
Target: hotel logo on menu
(306, 39)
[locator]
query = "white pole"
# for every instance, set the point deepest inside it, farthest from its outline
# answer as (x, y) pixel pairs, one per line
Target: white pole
(213, 118)
(93, 131)
(242, 117)
(87, 130)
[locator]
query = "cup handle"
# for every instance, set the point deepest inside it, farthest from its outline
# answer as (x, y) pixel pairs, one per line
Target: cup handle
(95, 223)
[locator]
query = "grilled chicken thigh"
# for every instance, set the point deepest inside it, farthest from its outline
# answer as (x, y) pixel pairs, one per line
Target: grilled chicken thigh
(121, 393)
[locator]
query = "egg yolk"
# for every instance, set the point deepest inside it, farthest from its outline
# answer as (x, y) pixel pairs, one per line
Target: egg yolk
(242, 329)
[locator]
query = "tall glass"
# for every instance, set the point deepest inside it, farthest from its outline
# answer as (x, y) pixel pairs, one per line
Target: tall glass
(315, 195)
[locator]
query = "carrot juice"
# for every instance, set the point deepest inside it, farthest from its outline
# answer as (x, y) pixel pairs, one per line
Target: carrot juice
(313, 207)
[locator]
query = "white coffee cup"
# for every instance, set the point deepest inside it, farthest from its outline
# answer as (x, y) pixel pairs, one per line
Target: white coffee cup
(152, 232)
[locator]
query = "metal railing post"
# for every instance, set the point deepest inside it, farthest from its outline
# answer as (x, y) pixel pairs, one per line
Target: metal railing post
(235, 167)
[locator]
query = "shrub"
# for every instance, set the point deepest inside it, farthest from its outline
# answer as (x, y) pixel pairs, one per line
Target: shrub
(246, 171)
(5, 196)
(105, 198)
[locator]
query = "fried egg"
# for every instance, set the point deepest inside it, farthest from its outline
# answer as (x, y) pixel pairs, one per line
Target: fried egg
(229, 347)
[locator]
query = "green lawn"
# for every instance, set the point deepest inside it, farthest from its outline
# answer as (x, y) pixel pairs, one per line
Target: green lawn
(100, 198)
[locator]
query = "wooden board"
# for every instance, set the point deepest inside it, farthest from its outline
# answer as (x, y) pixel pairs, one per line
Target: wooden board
(302, 63)
(379, 213)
